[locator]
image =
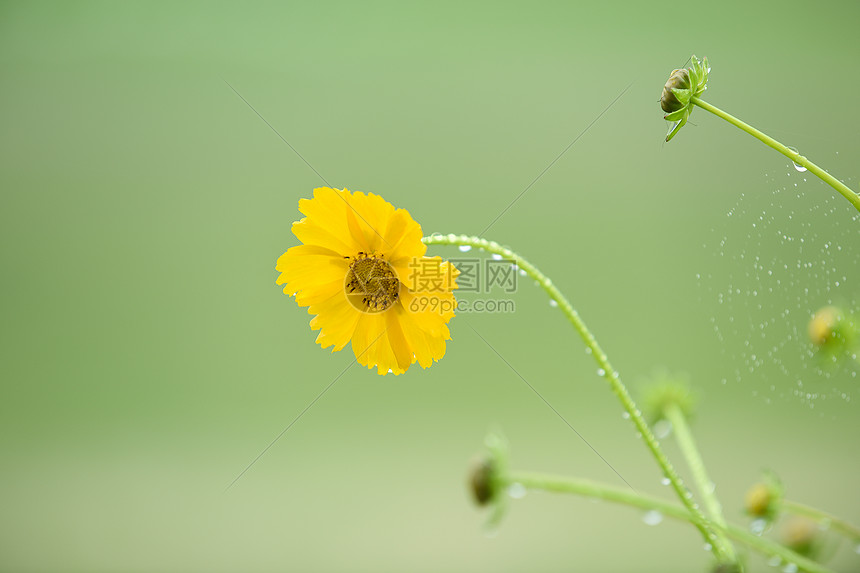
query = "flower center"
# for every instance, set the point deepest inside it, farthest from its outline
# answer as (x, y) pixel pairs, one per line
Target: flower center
(371, 284)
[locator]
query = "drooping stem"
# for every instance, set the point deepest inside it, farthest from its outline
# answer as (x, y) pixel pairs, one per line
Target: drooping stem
(558, 484)
(796, 157)
(606, 370)
(688, 447)
(836, 523)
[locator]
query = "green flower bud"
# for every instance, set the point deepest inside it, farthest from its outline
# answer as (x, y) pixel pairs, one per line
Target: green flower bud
(483, 481)
(488, 479)
(682, 86)
(665, 391)
(680, 79)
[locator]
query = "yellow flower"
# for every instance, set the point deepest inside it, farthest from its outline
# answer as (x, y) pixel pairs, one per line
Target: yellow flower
(362, 272)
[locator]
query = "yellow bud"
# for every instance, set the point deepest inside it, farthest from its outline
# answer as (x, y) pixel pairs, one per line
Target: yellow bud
(823, 325)
(758, 500)
(799, 534)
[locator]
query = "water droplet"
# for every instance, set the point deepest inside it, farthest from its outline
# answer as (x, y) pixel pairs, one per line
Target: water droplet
(588, 350)
(522, 273)
(601, 372)
(553, 303)
(799, 168)
(757, 526)
(789, 568)
(625, 415)
(662, 428)
(497, 256)
(652, 517)
(665, 481)
(465, 248)
(708, 546)
(775, 561)
(517, 490)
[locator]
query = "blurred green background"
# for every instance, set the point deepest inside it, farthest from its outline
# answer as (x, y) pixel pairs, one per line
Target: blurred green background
(148, 356)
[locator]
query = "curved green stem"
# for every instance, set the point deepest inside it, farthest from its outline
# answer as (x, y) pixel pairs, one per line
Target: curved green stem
(697, 466)
(606, 370)
(797, 158)
(558, 484)
(836, 523)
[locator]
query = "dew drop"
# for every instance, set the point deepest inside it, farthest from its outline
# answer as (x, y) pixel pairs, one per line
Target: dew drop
(497, 256)
(553, 303)
(522, 273)
(799, 168)
(757, 526)
(789, 568)
(625, 415)
(775, 561)
(652, 517)
(517, 490)
(708, 546)
(465, 248)
(601, 372)
(662, 428)
(665, 481)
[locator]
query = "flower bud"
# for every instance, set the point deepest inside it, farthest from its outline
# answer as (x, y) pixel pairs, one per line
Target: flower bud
(824, 324)
(667, 391)
(487, 479)
(482, 481)
(759, 500)
(763, 499)
(679, 91)
(800, 534)
(679, 79)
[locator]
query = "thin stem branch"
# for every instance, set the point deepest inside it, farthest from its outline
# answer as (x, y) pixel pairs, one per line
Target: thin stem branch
(697, 466)
(698, 518)
(836, 523)
(558, 484)
(797, 158)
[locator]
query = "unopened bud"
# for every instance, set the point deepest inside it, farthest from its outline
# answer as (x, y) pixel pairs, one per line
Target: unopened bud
(679, 79)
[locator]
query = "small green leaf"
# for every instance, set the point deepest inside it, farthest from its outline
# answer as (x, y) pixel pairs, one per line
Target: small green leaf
(676, 115)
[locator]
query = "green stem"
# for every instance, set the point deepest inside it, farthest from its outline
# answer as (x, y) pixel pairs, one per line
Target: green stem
(607, 371)
(706, 487)
(558, 484)
(836, 523)
(797, 158)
